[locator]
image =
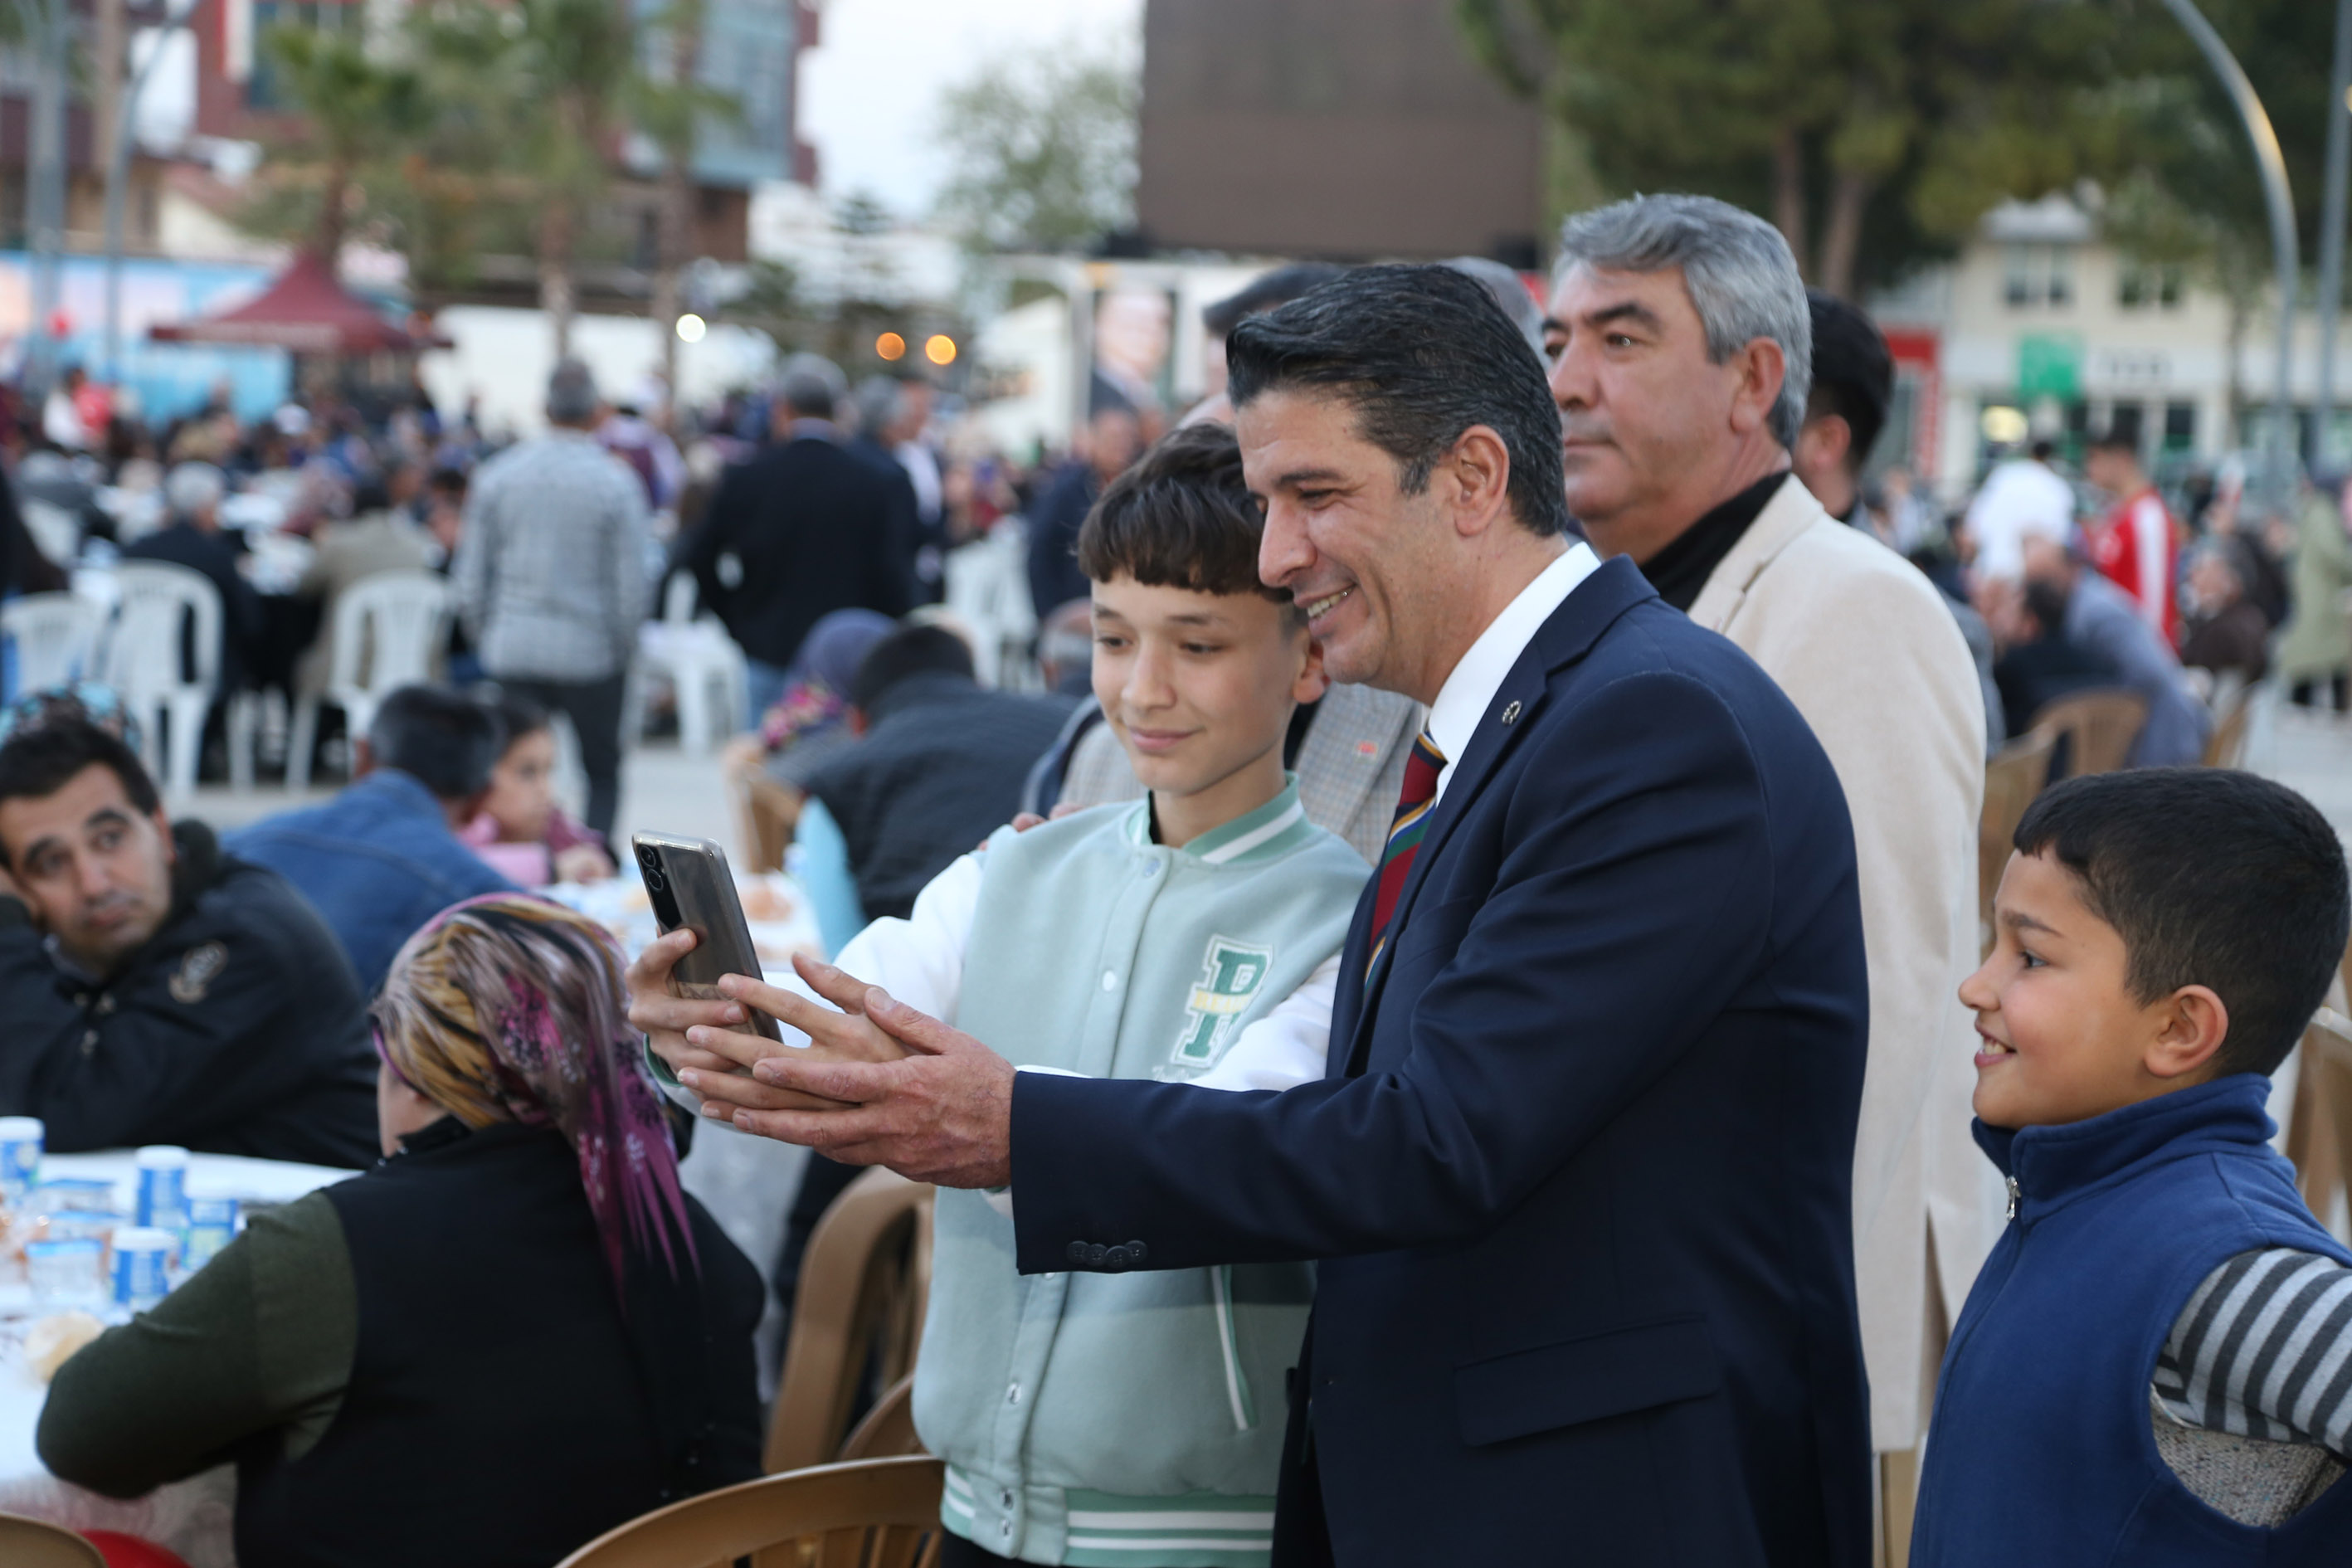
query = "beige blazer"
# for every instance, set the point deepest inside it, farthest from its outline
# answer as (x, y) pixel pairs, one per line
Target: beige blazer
(1864, 646)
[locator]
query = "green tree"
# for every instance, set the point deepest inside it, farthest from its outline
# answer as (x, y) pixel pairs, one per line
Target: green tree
(1875, 132)
(1041, 150)
(353, 107)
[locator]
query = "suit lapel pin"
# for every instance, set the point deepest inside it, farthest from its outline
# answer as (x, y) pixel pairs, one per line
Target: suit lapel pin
(1511, 714)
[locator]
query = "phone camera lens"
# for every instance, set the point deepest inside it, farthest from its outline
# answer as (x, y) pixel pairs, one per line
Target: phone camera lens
(654, 880)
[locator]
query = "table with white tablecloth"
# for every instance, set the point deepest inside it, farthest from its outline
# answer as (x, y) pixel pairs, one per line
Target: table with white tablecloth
(193, 1517)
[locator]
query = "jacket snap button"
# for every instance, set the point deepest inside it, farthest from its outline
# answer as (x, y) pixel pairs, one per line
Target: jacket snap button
(1137, 1252)
(1097, 1253)
(1075, 1252)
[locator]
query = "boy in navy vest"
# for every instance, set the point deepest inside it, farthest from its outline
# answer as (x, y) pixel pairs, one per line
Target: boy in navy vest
(2154, 1367)
(1132, 1418)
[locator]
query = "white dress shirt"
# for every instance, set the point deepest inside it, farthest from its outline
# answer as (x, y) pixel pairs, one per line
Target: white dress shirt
(1470, 689)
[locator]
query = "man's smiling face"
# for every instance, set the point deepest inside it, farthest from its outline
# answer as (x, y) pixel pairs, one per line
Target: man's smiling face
(1364, 559)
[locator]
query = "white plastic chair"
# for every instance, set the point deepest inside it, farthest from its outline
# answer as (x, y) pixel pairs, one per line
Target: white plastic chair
(988, 590)
(703, 663)
(57, 637)
(143, 663)
(383, 635)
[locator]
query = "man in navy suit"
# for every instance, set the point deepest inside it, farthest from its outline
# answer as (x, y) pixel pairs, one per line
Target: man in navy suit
(1577, 1176)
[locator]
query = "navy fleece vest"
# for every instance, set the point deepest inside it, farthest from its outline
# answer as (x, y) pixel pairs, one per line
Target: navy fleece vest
(2041, 1450)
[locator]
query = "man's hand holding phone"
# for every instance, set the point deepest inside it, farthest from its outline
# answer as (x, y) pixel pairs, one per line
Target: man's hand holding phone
(711, 1047)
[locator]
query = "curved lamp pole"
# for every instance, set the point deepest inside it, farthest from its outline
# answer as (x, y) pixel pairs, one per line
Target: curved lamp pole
(2276, 198)
(2331, 231)
(118, 175)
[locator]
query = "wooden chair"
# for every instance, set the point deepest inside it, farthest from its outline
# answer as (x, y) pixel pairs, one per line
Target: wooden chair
(2233, 715)
(2319, 1128)
(2099, 727)
(864, 1285)
(2013, 777)
(888, 1429)
(30, 1543)
(883, 1513)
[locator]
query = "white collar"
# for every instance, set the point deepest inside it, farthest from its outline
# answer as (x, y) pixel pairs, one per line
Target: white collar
(1463, 701)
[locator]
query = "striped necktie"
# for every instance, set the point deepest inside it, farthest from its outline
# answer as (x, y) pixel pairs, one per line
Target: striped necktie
(1413, 803)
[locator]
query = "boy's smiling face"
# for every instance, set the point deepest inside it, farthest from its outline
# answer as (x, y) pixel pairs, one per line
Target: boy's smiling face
(2061, 1036)
(1198, 686)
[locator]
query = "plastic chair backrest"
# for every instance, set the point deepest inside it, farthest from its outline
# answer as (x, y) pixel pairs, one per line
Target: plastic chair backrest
(2013, 777)
(2100, 727)
(882, 1513)
(30, 1543)
(2233, 715)
(159, 599)
(57, 637)
(388, 626)
(2319, 1128)
(888, 1429)
(679, 599)
(865, 1282)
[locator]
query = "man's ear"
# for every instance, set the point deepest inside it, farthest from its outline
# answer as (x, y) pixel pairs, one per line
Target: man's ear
(1762, 368)
(163, 831)
(858, 723)
(1481, 467)
(1823, 443)
(363, 758)
(1313, 680)
(2192, 1023)
(463, 811)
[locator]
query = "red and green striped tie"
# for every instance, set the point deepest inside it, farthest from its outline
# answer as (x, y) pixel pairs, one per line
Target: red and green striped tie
(1413, 803)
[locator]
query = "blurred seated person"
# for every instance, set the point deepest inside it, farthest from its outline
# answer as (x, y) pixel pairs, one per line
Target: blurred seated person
(513, 1334)
(771, 764)
(937, 765)
(381, 857)
(192, 538)
(148, 980)
(521, 833)
(2227, 631)
(2102, 621)
(380, 536)
(2037, 665)
(1114, 438)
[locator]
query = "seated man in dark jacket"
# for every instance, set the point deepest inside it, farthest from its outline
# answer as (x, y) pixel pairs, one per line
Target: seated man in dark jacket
(382, 858)
(192, 539)
(938, 767)
(155, 991)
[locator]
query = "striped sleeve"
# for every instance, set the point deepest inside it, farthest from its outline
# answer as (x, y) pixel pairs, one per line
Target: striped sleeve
(2263, 1349)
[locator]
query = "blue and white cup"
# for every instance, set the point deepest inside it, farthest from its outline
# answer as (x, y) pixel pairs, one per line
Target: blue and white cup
(142, 1264)
(161, 1198)
(20, 1155)
(212, 1224)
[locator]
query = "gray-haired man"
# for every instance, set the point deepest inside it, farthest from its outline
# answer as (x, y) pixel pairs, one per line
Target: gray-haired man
(550, 576)
(1680, 345)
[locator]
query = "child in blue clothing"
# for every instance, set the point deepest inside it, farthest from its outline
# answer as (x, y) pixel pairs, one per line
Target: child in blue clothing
(2154, 1367)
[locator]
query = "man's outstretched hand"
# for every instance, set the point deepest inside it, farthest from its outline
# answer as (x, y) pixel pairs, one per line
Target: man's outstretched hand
(940, 1113)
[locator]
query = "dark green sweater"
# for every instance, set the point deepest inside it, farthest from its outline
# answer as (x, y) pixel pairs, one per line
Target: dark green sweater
(261, 1338)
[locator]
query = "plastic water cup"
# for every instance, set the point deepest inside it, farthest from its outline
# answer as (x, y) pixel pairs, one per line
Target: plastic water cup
(163, 1191)
(142, 1261)
(20, 1155)
(69, 1270)
(212, 1224)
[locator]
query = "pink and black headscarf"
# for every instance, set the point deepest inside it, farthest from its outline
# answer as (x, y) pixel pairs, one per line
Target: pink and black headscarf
(511, 1008)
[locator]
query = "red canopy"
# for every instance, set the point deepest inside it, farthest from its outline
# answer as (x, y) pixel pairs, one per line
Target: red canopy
(305, 310)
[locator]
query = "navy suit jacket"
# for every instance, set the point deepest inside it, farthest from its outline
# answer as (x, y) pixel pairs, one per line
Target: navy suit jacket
(1580, 1174)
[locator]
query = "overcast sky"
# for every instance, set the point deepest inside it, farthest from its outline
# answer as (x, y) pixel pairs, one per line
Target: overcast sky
(870, 91)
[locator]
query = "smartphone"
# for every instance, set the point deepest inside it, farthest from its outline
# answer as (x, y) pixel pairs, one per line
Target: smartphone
(690, 886)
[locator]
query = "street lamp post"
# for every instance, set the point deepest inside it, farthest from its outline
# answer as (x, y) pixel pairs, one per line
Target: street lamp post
(117, 176)
(2275, 196)
(2331, 232)
(47, 26)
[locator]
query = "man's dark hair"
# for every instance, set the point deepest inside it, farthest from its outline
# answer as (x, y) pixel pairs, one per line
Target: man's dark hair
(1181, 517)
(1264, 292)
(1422, 353)
(449, 481)
(2043, 450)
(2046, 602)
(443, 739)
(2211, 877)
(39, 762)
(908, 651)
(2116, 439)
(1853, 374)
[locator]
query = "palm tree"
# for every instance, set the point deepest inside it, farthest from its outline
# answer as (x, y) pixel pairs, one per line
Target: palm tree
(355, 105)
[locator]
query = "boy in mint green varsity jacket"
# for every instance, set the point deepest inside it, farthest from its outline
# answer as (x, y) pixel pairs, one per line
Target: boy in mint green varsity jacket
(1137, 1419)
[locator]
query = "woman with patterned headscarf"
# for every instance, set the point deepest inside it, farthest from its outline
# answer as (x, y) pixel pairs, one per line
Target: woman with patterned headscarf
(511, 1334)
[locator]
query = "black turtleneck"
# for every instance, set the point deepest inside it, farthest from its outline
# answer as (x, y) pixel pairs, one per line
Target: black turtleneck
(1680, 570)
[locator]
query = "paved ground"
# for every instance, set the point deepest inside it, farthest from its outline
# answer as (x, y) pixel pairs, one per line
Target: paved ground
(2312, 752)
